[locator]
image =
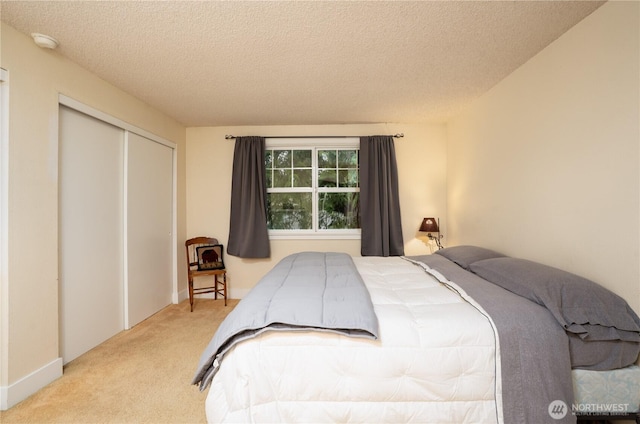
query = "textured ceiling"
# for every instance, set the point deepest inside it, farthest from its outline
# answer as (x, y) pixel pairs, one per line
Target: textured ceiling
(213, 63)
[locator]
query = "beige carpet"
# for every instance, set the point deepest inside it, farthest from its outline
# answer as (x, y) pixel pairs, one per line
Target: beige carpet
(142, 375)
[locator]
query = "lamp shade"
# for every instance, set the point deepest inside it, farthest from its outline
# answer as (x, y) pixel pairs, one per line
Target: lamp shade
(429, 225)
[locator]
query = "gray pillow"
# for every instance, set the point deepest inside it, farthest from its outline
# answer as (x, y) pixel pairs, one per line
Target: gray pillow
(466, 255)
(581, 306)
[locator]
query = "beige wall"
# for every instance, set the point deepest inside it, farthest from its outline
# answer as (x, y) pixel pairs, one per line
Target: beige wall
(421, 157)
(36, 77)
(545, 166)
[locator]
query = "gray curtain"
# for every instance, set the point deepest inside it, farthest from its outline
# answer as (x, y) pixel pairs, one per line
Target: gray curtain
(248, 234)
(379, 201)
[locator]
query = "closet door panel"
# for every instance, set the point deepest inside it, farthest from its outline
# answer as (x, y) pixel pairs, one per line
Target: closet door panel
(91, 155)
(149, 227)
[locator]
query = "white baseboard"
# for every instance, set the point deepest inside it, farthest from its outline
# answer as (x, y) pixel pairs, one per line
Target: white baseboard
(233, 294)
(180, 296)
(29, 384)
(238, 293)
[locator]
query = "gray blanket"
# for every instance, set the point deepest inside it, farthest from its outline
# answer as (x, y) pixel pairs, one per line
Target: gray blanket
(534, 352)
(308, 290)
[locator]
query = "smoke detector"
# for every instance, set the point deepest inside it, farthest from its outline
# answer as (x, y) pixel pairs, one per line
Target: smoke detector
(44, 41)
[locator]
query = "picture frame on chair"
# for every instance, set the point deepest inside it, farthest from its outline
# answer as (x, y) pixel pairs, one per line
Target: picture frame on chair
(210, 257)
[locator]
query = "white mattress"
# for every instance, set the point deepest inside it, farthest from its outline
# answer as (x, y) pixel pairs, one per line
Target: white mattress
(435, 361)
(606, 392)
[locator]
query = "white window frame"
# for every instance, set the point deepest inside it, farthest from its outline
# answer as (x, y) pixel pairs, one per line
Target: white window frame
(307, 143)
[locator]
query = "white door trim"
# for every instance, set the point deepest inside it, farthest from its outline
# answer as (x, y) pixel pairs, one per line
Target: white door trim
(5, 398)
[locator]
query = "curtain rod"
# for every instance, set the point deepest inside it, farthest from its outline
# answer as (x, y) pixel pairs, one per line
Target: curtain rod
(231, 137)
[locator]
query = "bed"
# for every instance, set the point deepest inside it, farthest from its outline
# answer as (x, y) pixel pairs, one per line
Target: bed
(442, 345)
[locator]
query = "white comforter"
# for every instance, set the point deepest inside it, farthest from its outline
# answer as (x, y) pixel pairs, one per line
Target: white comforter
(435, 361)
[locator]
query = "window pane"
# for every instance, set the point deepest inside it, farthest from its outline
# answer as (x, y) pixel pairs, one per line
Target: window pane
(289, 211)
(326, 158)
(268, 164)
(282, 158)
(268, 159)
(337, 211)
(297, 169)
(282, 178)
(302, 177)
(302, 158)
(348, 177)
(269, 178)
(347, 158)
(326, 178)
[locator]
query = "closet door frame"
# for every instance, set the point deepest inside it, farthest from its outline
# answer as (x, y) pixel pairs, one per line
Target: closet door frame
(128, 128)
(4, 233)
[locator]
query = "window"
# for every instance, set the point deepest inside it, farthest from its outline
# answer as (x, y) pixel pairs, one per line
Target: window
(313, 188)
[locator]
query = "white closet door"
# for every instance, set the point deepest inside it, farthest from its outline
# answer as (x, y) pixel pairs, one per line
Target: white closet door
(149, 227)
(90, 232)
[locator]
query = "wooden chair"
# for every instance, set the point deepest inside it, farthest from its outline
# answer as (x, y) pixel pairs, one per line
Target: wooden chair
(205, 258)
